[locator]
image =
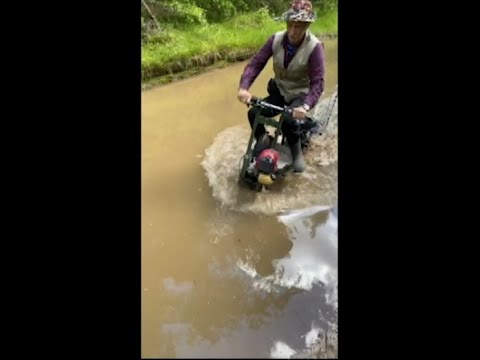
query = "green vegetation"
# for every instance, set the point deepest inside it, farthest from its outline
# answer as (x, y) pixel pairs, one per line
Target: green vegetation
(180, 38)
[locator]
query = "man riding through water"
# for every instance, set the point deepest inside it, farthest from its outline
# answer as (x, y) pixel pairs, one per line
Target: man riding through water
(299, 68)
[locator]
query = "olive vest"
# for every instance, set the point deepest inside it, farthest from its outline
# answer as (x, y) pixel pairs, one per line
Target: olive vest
(293, 80)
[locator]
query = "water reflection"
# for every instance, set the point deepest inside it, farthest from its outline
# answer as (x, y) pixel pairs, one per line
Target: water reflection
(311, 265)
(255, 310)
(312, 258)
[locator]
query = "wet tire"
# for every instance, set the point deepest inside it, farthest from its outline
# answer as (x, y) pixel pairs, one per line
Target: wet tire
(258, 187)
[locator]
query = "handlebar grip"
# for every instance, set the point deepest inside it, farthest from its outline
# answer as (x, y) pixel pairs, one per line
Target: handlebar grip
(253, 100)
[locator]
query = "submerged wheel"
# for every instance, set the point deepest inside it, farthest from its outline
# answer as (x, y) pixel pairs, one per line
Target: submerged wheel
(257, 187)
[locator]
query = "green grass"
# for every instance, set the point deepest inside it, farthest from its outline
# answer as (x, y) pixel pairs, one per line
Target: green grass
(197, 46)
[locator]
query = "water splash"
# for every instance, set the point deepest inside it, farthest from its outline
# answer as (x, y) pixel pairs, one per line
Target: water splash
(317, 185)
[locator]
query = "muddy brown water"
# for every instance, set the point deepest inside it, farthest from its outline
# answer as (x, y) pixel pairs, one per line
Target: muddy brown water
(227, 272)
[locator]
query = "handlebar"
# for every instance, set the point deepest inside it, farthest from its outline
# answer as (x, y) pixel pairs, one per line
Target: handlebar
(255, 101)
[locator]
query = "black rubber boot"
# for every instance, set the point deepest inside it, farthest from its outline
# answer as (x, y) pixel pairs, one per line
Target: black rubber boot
(297, 157)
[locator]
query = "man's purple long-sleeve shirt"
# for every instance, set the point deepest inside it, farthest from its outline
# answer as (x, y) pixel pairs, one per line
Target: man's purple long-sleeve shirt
(316, 69)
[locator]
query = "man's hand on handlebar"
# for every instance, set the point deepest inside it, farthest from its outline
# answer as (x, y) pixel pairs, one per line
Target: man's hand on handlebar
(299, 113)
(244, 96)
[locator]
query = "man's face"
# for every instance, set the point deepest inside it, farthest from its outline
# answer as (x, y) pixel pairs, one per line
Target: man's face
(296, 31)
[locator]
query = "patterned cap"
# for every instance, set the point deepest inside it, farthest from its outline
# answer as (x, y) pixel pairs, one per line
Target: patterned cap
(301, 11)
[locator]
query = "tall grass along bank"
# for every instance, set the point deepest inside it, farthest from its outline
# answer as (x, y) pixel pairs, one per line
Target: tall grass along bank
(179, 52)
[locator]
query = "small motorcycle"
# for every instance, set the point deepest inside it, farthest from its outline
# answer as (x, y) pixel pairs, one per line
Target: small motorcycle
(271, 158)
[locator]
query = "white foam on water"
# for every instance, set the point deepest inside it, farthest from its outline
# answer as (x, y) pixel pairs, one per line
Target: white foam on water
(280, 350)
